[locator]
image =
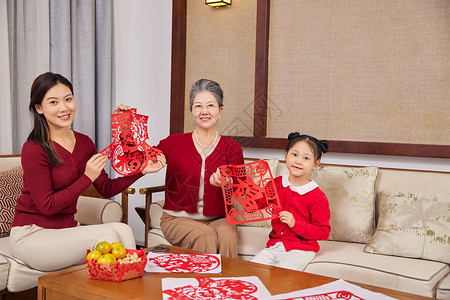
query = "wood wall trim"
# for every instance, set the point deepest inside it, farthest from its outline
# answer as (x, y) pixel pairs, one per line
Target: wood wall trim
(394, 149)
(261, 68)
(178, 74)
(259, 139)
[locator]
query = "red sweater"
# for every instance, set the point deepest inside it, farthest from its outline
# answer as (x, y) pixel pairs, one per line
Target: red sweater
(312, 215)
(49, 195)
(184, 165)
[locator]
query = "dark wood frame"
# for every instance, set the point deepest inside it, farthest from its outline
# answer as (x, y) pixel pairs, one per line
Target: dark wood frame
(259, 139)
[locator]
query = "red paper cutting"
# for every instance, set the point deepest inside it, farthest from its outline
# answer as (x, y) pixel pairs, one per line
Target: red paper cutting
(129, 153)
(187, 263)
(338, 295)
(210, 289)
(249, 192)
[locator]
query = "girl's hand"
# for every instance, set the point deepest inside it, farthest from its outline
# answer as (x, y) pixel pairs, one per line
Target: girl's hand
(155, 166)
(121, 108)
(287, 218)
(95, 165)
(214, 180)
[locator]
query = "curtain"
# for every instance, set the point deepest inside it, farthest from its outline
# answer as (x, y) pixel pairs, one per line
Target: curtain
(24, 54)
(82, 49)
(73, 38)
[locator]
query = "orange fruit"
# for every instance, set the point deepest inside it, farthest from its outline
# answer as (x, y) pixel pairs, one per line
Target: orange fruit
(116, 244)
(119, 252)
(93, 255)
(106, 259)
(103, 247)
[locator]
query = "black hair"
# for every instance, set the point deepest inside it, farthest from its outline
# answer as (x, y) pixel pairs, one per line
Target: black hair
(317, 146)
(40, 133)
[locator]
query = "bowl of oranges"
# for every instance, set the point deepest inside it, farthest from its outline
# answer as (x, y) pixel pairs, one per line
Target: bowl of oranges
(112, 262)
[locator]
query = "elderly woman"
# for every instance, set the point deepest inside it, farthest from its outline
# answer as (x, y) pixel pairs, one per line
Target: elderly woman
(194, 208)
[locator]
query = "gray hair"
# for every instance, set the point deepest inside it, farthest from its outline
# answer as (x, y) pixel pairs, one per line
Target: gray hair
(206, 85)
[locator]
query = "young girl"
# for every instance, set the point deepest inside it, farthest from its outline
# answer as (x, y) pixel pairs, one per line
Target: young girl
(58, 165)
(305, 214)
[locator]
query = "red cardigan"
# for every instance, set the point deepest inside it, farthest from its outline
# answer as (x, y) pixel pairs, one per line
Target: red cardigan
(312, 215)
(50, 194)
(183, 173)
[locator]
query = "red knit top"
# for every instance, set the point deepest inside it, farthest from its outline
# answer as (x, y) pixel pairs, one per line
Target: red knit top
(312, 215)
(49, 195)
(183, 173)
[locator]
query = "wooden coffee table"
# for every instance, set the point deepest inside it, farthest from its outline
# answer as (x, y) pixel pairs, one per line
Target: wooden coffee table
(74, 283)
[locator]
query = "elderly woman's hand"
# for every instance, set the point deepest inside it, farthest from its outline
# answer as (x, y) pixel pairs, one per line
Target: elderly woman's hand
(121, 108)
(156, 165)
(214, 180)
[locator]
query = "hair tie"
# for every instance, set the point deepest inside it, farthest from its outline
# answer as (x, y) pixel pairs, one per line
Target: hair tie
(293, 135)
(324, 145)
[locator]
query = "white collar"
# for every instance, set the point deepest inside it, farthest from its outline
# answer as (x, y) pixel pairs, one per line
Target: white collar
(298, 189)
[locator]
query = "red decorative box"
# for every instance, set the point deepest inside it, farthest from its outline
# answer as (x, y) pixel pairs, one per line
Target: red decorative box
(117, 271)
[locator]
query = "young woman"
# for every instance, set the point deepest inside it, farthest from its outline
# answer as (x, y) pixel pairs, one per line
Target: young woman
(305, 213)
(194, 208)
(58, 165)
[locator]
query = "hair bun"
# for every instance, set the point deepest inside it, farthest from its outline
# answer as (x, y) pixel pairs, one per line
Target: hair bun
(324, 145)
(293, 135)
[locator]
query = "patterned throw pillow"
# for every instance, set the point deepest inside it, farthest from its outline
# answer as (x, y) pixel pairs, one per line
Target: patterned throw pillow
(351, 195)
(273, 165)
(11, 183)
(413, 225)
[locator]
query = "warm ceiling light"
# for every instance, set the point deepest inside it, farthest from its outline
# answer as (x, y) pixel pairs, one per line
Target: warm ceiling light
(218, 3)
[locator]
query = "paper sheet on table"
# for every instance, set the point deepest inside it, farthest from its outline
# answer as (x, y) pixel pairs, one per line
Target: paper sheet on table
(183, 263)
(214, 288)
(336, 290)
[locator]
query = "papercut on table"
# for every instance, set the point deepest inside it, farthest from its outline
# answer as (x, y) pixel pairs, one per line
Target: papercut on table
(129, 153)
(204, 288)
(183, 263)
(336, 290)
(249, 192)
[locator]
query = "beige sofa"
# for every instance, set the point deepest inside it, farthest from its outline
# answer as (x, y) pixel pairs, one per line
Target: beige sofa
(408, 251)
(15, 275)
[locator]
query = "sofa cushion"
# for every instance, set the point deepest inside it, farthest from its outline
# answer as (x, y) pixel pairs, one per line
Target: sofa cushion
(11, 184)
(351, 195)
(348, 261)
(251, 240)
(443, 288)
(4, 268)
(413, 225)
(156, 237)
(20, 277)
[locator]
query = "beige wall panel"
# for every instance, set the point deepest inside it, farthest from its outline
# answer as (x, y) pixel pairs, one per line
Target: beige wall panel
(371, 71)
(220, 45)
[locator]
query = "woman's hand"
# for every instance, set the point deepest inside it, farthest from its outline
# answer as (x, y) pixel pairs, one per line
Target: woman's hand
(287, 218)
(95, 165)
(214, 180)
(155, 166)
(121, 108)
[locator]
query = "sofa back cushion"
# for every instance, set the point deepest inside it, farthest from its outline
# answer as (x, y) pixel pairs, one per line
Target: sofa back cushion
(351, 195)
(413, 225)
(11, 184)
(9, 161)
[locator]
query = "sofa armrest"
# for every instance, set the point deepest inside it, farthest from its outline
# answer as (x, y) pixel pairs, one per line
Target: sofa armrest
(148, 192)
(92, 209)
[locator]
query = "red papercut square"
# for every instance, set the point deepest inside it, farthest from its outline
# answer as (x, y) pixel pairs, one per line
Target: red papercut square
(249, 192)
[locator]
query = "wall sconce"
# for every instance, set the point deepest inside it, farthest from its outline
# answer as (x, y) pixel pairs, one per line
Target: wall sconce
(218, 3)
